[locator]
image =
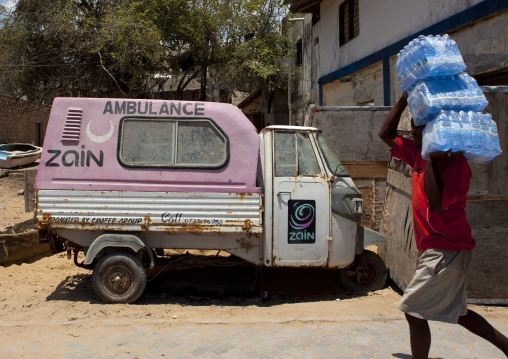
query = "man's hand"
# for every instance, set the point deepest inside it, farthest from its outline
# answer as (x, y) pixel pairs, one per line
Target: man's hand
(445, 155)
(388, 130)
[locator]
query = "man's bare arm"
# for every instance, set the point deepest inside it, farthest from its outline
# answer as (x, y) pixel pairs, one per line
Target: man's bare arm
(388, 130)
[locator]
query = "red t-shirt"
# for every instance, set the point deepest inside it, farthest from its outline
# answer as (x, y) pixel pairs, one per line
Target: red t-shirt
(449, 229)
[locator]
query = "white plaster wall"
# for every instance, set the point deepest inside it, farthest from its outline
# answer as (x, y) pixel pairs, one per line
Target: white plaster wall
(376, 26)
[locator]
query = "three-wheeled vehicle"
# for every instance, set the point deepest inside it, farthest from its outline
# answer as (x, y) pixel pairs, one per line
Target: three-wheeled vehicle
(123, 180)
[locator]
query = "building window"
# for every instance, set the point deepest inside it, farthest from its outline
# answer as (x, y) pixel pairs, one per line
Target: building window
(348, 21)
(299, 52)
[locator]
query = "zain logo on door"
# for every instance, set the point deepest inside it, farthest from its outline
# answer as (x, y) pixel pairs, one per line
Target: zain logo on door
(302, 221)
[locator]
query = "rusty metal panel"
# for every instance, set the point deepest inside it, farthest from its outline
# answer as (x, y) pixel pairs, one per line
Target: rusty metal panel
(150, 211)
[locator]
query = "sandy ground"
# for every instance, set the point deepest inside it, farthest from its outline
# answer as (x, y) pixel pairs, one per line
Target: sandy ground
(49, 291)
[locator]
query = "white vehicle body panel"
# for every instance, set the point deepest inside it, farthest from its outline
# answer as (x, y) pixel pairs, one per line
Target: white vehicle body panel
(150, 211)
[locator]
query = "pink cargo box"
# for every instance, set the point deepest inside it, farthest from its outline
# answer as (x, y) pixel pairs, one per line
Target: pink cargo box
(148, 145)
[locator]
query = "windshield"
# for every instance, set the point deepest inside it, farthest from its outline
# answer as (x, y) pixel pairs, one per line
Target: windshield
(330, 157)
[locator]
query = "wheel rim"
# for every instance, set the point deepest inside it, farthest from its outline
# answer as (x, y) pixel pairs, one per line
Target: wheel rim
(368, 277)
(117, 280)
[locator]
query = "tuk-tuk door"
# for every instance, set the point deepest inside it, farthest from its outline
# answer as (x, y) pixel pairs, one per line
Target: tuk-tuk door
(301, 201)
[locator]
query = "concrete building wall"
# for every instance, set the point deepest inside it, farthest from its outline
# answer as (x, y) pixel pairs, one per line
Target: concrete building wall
(484, 44)
(21, 121)
(303, 87)
(381, 24)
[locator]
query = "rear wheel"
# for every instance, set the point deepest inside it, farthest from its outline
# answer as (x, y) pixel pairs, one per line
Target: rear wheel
(367, 273)
(119, 278)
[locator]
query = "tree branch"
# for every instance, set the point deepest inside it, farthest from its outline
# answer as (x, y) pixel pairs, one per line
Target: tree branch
(105, 69)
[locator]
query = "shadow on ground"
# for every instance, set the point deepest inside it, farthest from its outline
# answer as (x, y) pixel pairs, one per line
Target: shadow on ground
(246, 285)
(406, 356)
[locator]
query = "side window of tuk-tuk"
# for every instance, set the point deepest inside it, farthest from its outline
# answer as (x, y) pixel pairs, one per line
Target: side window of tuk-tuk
(294, 155)
(196, 143)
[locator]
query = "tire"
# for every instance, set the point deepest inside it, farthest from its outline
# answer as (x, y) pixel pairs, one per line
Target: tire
(119, 278)
(373, 279)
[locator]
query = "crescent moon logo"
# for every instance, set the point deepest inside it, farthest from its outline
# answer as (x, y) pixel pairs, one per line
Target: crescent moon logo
(100, 139)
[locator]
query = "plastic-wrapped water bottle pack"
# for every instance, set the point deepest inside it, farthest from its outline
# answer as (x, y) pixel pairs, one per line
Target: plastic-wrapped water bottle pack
(459, 92)
(446, 100)
(472, 132)
(428, 56)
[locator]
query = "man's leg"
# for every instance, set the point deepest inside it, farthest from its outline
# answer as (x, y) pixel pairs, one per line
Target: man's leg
(419, 334)
(476, 324)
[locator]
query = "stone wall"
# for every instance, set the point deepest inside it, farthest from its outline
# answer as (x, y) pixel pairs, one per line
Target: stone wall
(352, 133)
(21, 121)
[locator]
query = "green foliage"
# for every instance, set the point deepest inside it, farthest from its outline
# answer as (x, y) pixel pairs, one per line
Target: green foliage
(125, 48)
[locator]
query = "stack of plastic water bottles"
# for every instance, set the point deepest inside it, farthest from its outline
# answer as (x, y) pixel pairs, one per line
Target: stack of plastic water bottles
(446, 100)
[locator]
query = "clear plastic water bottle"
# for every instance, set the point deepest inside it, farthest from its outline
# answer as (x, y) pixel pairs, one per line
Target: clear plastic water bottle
(420, 60)
(456, 96)
(466, 94)
(399, 65)
(415, 64)
(437, 135)
(447, 56)
(442, 88)
(477, 99)
(467, 139)
(427, 53)
(476, 136)
(418, 100)
(457, 143)
(484, 154)
(464, 99)
(434, 99)
(495, 148)
(437, 88)
(403, 65)
(453, 102)
(443, 58)
(445, 131)
(458, 64)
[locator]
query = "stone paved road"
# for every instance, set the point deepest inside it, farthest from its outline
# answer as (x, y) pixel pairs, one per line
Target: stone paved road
(153, 338)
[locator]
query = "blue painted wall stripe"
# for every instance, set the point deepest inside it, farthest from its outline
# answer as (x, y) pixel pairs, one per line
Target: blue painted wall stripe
(386, 81)
(476, 12)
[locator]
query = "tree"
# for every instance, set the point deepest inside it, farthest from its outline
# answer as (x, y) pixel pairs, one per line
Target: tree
(125, 48)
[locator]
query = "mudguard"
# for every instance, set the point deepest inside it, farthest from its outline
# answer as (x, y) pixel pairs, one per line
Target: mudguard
(116, 240)
(368, 237)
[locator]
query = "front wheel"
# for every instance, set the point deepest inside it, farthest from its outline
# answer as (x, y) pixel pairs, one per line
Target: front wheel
(119, 278)
(367, 273)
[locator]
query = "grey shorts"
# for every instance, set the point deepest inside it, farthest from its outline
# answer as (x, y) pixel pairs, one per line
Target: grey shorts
(437, 290)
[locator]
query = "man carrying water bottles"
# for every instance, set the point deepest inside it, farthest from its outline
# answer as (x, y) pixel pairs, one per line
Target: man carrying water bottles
(437, 290)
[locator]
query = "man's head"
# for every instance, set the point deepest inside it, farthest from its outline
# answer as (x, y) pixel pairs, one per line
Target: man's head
(416, 132)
